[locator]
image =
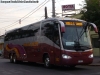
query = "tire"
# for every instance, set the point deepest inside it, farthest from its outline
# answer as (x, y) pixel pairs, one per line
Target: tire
(47, 61)
(14, 58)
(11, 58)
(72, 66)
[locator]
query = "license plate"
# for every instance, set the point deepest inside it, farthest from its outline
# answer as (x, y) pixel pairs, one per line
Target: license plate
(80, 61)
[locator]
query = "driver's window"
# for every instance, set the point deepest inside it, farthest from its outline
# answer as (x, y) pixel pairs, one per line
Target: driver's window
(51, 31)
(56, 34)
(47, 29)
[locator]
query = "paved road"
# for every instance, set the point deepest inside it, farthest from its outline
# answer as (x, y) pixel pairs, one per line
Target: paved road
(7, 68)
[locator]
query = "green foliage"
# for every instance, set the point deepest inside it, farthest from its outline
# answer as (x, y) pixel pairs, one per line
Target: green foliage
(92, 13)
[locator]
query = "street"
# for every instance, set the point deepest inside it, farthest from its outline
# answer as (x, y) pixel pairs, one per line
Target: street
(7, 68)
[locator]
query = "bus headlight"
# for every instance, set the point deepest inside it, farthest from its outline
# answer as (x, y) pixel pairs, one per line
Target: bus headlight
(66, 56)
(91, 56)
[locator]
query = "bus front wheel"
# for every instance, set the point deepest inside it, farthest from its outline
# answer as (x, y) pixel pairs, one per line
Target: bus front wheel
(47, 61)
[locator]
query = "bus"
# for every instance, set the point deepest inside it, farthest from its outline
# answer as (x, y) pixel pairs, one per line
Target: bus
(52, 41)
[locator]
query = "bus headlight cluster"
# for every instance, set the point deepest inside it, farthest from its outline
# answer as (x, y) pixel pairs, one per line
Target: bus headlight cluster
(66, 56)
(91, 56)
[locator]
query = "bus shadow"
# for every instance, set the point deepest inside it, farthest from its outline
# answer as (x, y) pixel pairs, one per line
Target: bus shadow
(65, 68)
(59, 68)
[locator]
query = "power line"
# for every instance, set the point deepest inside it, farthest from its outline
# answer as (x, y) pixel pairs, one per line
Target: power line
(35, 10)
(29, 14)
(23, 17)
(58, 2)
(41, 17)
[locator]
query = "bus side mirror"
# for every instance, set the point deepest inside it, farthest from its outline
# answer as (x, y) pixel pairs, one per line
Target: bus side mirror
(62, 26)
(94, 26)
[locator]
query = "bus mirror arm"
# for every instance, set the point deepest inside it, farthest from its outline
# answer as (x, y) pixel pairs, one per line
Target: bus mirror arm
(62, 26)
(93, 25)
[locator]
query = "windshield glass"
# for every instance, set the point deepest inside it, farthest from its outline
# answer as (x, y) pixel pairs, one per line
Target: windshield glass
(74, 35)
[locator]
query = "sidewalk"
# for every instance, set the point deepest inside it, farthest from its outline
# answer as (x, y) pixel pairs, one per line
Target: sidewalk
(96, 61)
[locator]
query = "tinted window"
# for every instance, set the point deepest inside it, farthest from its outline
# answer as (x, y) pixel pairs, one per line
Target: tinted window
(50, 30)
(27, 31)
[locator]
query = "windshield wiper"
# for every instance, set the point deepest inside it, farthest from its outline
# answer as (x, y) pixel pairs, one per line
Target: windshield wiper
(78, 46)
(82, 32)
(83, 46)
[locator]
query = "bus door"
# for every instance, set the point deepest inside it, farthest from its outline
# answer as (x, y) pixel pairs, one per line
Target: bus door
(60, 28)
(47, 40)
(57, 47)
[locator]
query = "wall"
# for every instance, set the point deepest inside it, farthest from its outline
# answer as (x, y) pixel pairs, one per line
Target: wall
(95, 43)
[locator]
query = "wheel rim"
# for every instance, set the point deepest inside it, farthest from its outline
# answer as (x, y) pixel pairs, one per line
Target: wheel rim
(14, 59)
(11, 58)
(47, 60)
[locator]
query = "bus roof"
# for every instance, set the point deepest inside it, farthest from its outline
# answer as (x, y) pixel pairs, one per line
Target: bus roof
(64, 18)
(54, 18)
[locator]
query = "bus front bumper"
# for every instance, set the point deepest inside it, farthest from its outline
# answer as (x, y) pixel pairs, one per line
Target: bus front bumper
(77, 61)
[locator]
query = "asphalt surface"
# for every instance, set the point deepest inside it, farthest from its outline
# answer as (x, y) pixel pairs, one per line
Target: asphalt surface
(7, 68)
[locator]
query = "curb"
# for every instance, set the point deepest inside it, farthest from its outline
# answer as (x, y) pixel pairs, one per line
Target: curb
(94, 64)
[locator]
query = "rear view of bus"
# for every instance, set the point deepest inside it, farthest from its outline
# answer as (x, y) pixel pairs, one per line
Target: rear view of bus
(77, 48)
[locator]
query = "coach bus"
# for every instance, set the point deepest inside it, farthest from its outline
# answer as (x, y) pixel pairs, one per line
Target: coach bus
(52, 41)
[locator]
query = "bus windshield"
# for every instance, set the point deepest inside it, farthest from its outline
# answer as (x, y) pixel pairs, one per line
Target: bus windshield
(74, 34)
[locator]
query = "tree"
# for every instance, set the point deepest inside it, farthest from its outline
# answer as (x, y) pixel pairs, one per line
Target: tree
(92, 13)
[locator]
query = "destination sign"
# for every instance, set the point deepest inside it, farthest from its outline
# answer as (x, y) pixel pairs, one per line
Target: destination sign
(74, 23)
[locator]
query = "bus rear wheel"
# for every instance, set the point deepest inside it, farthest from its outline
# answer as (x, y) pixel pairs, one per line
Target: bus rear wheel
(14, 58)
(11, 58)
(72, 66)
(47, 61)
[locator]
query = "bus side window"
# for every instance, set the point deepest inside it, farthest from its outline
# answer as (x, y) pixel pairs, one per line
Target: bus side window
(36, 31)
(9, 37)
(50, 30)
(6, 38)
(33, 30)
(47, 30)
(43, 29)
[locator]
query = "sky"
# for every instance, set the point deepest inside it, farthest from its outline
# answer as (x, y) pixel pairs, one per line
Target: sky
(11, 13)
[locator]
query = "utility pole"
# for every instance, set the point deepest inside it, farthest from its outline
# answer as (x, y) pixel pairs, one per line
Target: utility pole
(53, 8)
(46, 14)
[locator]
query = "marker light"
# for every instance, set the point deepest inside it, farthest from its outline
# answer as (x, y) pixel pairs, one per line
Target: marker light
(24, 54)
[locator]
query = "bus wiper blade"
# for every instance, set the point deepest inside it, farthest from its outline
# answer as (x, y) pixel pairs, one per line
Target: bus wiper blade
(78, 46)
(82, 32)
(83, 46)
